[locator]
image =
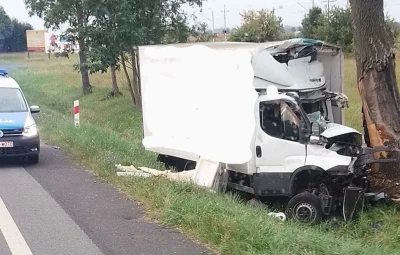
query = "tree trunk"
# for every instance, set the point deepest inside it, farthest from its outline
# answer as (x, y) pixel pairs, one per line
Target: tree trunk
(115, 89)
(128, 79)
(135, 84)
(375, 58)
(86, 87)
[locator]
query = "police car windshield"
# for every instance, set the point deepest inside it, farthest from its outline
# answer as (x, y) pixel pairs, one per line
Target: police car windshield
(11, 100)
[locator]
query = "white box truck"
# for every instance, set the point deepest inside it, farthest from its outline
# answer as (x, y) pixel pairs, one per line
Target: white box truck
(276, 129)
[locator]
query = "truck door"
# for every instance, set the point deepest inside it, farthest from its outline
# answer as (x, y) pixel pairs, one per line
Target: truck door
(279, 143)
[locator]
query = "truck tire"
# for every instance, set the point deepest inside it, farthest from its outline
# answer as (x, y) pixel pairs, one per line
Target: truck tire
(305, 208)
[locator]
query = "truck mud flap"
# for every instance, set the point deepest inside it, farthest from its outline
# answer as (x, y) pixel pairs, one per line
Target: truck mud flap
(221, 180)
(353, 202)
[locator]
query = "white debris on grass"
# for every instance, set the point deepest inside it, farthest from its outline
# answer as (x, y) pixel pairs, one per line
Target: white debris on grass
(187, 176)
(205, 174)
(279, 215)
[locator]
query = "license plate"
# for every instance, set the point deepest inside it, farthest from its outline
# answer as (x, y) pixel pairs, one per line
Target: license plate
(6, 144)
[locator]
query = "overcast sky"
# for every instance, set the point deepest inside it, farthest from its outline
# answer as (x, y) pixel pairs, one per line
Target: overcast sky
(292, 11)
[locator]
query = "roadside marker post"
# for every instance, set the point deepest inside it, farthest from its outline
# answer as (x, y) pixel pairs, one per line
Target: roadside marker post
(76, 113)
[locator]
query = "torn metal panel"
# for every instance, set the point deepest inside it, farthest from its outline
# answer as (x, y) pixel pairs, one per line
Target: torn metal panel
(353, 203)
(334, 129)
(297, 75)
(338, 99)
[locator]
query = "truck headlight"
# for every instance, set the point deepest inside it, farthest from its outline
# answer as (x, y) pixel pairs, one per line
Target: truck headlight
(30, 131)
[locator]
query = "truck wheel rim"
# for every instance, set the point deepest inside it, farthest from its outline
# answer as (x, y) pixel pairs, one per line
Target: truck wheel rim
(305, 212)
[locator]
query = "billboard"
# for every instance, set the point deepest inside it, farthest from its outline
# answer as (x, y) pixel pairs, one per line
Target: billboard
(35, 40)
(56, 42)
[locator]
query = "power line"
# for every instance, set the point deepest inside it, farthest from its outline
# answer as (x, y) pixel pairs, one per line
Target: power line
(225, 11)
(212, 18)
(302, 6)
(329, 1)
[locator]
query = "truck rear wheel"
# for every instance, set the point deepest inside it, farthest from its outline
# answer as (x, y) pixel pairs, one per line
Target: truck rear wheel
(305, 208)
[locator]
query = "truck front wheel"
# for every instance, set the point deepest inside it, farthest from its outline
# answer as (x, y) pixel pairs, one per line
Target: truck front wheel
(305, 208)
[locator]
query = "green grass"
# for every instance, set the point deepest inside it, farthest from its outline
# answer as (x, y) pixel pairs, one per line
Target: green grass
(110, 133)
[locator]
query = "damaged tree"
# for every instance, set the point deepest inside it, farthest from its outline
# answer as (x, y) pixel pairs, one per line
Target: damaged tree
(375, 58)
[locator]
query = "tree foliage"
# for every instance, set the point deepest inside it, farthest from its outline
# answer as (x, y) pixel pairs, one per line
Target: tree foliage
(118, 26)
(107, 30)
(12, 33)
(311, 22)
(5, 24)
(336, 28)
(258, 26)
(201, 33)
(17, 41)
(78, 15)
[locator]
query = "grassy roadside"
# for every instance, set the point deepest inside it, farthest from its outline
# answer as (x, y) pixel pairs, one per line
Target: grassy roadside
(110, 133)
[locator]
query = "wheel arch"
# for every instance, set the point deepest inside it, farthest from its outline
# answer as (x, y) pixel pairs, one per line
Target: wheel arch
(302, 173)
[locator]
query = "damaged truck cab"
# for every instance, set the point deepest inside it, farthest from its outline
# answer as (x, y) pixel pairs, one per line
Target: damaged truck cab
(301, 151)
(292, 159)
(310, 69)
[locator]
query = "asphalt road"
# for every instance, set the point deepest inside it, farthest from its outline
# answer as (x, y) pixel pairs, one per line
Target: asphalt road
(57, 207)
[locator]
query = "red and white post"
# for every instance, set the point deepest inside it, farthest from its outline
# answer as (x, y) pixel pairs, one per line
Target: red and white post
(76, 113)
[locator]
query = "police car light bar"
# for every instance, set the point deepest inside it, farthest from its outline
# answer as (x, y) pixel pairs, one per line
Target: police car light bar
(3, 72)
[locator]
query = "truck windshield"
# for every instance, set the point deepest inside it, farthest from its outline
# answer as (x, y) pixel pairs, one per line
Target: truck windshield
(11, 100)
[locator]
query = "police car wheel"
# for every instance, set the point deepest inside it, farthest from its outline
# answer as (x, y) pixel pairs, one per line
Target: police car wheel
(33, 159)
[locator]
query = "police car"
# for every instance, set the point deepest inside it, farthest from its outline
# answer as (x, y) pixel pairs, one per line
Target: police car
(19, 136)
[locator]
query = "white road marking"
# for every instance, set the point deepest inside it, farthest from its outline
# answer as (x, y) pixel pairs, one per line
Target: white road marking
(11, 233)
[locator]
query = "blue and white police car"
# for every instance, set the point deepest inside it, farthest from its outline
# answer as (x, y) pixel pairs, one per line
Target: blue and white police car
(19, 136)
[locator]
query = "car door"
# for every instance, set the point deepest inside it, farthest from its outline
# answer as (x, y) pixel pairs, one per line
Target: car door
(278, 138)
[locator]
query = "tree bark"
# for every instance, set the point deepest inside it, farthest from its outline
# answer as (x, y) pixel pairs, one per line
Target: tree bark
(115, 88)
(135, 84)
(128, 79)
(86, 87)
(377, 85)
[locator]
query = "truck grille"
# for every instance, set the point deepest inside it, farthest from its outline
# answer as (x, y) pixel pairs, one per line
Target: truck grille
(12, 151)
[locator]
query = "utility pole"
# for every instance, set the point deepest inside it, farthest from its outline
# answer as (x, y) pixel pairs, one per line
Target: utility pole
(213, 20)
(225, 11)
(213, 24)
(312, 3)
(328, 3)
